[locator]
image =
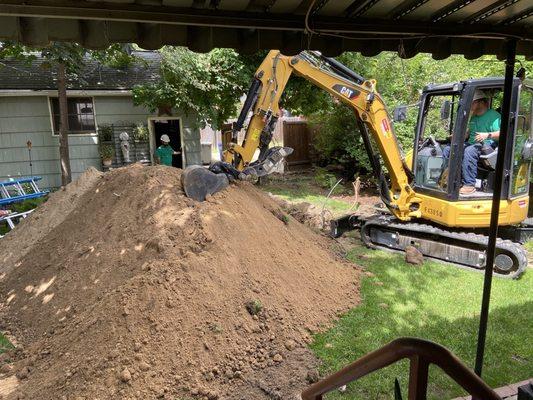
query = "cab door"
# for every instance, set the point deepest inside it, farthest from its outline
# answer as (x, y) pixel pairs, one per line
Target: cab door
(522, 142)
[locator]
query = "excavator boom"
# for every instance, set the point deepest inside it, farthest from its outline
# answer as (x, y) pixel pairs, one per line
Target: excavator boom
(262, 102)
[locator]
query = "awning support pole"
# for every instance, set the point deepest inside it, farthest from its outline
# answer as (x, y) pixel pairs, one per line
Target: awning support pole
(496, 198)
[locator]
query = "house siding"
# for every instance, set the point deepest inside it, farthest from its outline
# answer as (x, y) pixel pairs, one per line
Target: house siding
(24, 118)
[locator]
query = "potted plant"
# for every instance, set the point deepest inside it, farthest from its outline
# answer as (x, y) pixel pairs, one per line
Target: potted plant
(107, 152)
(105, 133)
(140, 133)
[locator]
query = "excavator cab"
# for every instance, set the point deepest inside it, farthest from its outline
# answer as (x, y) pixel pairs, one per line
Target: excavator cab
(441, 132)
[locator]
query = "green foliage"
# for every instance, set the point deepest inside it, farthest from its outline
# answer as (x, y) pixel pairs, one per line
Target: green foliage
(205, 85)
(117, 56)
(300, 188)
(20, 207)
(73, 55)
(70, 54)
(5, 344)
(338, 139)
(325, 179)
(328, 181)
(107, 151)
(105, 133)
(399, 82)
(140, 132)
(12, 50)
(254, 307)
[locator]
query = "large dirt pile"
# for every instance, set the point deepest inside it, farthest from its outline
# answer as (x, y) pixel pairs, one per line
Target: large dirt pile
(140, 293)
(49, 215)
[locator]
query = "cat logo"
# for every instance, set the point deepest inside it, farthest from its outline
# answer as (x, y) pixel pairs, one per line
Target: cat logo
(346, 91)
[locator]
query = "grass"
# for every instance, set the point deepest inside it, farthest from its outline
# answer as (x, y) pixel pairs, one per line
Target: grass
(436, 302)
(4, 344)
(529, 246)
(303, 188)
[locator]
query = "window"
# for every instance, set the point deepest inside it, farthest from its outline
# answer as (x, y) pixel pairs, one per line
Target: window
(80, 114)
(438, 124)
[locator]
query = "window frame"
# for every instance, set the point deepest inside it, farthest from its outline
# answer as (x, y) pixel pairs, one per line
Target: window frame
(90, 133)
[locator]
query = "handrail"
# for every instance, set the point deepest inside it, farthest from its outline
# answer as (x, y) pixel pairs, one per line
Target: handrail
(421, 354)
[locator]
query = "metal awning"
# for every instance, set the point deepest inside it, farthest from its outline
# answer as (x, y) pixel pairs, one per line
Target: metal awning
(469, 27)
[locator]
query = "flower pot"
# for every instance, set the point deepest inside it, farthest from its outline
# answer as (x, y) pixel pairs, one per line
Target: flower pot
(107, 162)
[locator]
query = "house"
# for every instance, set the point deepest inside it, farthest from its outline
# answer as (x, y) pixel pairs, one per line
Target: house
(100, 97)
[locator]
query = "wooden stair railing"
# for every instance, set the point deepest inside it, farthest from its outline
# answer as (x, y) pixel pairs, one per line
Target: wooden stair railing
(421, 353)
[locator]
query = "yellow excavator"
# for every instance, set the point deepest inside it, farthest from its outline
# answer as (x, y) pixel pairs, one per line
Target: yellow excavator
(425, 207)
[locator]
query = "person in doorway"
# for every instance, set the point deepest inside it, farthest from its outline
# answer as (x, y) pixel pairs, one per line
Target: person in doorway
(164, 153)
(483, 130)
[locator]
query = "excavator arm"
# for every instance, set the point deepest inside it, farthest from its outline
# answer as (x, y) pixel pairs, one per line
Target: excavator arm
(343, 84)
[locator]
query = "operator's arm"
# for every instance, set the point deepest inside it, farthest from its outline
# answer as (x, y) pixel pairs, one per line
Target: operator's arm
(481, 136)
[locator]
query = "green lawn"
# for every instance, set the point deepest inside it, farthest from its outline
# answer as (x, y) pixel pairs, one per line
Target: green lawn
(435, 302)
(302, 188)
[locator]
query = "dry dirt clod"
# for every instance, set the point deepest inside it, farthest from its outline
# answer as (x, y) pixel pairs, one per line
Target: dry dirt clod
(290, 345)
(23, 373)
(312, 376)
(125, 375)
(6, 368)
(413, 256)
(144, 366)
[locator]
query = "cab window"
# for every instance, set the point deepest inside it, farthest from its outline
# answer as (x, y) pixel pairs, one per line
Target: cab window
(438, 124)
(521, 167)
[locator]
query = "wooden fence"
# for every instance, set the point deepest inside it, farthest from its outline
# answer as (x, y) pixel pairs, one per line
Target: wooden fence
(289, 131)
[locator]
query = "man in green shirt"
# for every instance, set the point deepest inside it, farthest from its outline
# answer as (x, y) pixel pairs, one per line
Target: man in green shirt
(164, 153)
(483, 129)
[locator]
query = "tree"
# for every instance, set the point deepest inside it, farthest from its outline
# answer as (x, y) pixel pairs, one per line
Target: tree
(68, 60)
(207, 86)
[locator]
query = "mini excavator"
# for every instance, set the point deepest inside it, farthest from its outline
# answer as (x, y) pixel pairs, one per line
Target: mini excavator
(421, 190)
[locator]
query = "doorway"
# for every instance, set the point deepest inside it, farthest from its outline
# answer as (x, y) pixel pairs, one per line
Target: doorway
(172, 128)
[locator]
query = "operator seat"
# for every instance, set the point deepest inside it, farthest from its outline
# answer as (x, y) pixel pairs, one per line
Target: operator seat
(487, 158)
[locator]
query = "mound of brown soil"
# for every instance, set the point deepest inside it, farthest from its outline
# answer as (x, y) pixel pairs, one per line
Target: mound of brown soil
(49, 215)
(137, 292)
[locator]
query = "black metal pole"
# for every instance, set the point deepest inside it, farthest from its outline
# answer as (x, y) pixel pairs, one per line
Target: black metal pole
(496, 198)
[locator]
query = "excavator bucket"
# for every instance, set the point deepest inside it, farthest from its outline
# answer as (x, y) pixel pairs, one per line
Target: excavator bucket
(198, 182)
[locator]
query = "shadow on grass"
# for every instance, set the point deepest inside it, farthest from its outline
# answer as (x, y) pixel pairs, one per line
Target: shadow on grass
(436, 302)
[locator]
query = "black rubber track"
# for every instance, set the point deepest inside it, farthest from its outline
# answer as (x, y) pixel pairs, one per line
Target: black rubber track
(470, 240)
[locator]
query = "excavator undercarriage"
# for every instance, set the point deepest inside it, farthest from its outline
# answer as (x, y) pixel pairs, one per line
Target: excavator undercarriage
(461, 248)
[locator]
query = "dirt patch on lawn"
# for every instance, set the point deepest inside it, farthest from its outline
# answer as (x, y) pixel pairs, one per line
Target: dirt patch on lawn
(141, 293)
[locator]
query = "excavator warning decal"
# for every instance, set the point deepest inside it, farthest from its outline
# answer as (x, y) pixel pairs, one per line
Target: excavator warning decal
(385, 126)
(346, 91)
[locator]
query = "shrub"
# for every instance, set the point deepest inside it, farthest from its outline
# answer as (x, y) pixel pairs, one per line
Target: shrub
(107, 151)
(105, 133)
